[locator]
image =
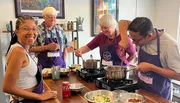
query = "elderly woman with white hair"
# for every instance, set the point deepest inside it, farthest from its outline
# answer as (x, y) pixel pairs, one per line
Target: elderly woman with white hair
(51, 43)
(107, 41)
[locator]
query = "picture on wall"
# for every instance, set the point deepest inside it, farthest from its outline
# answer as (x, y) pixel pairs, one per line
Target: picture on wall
(99, 8)
(34, 7)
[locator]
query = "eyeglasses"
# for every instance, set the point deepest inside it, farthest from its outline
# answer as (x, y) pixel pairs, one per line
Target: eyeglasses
(136, 40)
(26, 29)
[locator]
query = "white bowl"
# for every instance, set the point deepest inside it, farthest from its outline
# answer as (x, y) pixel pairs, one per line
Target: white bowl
(76, 87)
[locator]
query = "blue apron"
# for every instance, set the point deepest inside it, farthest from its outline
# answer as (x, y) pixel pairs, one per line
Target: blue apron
(39, 88)
(48, 62)
(108, 52)
(154, 82)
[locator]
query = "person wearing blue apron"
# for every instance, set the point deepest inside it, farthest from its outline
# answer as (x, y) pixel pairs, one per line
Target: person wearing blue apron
(158, 57)
(109, 53)
(152, 81)
(51, 43)
(23, 79)
(108, 41)
(49, 58)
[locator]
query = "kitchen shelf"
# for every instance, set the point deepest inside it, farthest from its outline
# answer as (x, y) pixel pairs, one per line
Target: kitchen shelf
(75, 36)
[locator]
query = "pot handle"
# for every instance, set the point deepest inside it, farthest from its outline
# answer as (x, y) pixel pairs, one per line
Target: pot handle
(133, 67)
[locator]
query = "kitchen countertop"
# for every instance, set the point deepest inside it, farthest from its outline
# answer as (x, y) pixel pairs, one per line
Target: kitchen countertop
(89, 86)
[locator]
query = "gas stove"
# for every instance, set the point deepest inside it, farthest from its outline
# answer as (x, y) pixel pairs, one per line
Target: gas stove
(90, 75)
(123, 84)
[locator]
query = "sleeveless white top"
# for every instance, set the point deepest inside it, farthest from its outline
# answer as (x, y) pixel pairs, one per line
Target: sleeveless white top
(27, 75)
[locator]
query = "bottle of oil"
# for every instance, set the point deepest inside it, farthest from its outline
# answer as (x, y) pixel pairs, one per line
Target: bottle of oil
(75, 43)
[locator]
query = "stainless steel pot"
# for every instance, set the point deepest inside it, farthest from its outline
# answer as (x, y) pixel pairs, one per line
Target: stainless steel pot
(90, 64)
(116, 72)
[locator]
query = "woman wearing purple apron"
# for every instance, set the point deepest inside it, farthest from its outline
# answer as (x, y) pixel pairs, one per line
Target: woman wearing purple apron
(158, 57)
(23, 78)
(108, 41)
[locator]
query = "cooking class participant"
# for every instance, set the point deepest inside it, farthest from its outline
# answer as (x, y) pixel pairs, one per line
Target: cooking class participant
(51, 43)
(22, 77)
(158, 56)
(107, 41)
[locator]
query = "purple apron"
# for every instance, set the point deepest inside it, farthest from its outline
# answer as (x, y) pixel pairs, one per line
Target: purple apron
(48, 62)
(160, 85)
(39, 88)
(108, 52)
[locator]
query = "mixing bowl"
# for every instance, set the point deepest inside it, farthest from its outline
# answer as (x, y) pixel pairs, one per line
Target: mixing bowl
(101, 96)
(76, 87)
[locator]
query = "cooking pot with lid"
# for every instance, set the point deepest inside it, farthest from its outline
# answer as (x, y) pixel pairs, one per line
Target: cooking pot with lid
(116, 72)
(90, 63)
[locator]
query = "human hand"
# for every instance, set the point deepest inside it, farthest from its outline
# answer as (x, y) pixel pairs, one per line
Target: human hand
(53, 46)
(78, 53)
(144, 67)
(48, 95)
(123, 44)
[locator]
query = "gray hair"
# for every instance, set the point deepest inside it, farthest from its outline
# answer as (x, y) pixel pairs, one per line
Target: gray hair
(108, 20)
(49, 10)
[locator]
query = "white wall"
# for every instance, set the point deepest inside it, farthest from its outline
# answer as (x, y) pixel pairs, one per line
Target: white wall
(167, 14)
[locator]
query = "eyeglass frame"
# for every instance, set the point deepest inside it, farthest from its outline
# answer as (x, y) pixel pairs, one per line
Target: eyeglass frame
(27, 29)
(136, 40)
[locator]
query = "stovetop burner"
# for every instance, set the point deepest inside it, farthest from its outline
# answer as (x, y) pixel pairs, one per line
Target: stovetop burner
(124, 84)
(90, 74)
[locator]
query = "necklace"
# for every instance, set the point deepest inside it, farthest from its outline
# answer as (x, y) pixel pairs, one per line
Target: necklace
(110, 40)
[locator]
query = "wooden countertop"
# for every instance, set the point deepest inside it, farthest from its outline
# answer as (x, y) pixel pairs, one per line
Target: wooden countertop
(89, 86)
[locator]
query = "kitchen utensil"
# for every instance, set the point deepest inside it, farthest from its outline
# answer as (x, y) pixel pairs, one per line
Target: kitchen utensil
(131, 98)
(76, 87)
(90, 96)
(116, 72)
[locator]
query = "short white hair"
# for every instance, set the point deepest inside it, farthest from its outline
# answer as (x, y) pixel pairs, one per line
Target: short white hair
(49, 10)
(108, 20)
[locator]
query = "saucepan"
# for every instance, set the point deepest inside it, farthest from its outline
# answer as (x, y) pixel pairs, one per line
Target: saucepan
(90, 64)
(117, 72)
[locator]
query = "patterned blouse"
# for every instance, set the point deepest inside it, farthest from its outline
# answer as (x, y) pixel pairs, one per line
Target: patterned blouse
(51, 34)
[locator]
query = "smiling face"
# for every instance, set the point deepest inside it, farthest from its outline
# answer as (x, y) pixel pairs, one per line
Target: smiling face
(108, 31)
(27, 32)
(50, 20)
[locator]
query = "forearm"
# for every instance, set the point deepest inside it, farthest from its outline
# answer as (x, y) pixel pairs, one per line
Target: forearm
(130, 58)
(166, 72)
(21, 93)
(84, 49)
(123, 28)
(37, 49)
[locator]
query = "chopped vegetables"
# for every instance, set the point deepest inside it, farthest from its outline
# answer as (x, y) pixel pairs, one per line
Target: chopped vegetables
(101, 98)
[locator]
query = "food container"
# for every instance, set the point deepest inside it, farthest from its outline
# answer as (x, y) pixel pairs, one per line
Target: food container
(131, 98)
(46, 72)
(76, 87)
(74, 67)
(64, 71)
(101, 96)
(116, 72)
